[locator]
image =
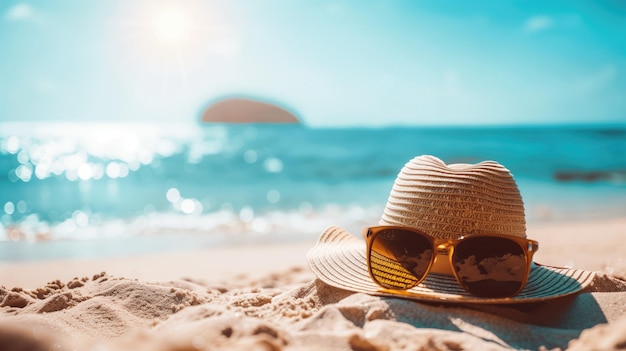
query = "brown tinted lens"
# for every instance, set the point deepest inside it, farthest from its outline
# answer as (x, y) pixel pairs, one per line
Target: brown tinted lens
(399, 259)
(490, 266)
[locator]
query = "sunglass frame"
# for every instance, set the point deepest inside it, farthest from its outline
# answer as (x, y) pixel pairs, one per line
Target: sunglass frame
(528, 246)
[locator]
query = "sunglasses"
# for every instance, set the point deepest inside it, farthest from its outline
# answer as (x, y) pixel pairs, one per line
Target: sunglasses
(491, 266)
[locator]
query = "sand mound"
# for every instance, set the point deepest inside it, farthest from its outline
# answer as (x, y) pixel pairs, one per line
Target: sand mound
(290, 310)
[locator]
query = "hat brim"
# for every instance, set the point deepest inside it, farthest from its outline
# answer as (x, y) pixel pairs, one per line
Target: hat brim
(339, 259)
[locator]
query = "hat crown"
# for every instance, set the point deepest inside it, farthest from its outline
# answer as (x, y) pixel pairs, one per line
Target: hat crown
(450, 201)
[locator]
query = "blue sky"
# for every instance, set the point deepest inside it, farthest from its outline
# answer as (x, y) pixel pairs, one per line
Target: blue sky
(339, 62)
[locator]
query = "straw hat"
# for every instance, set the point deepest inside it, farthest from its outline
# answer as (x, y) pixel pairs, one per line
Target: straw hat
(445, 201)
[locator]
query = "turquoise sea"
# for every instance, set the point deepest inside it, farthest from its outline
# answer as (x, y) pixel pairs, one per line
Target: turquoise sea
(72, 190)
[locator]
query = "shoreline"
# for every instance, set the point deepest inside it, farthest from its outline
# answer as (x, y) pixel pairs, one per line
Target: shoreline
(560, 244)
(213, 264)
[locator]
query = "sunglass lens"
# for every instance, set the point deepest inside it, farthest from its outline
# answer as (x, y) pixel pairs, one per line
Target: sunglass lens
(399, 259)
(490, 266)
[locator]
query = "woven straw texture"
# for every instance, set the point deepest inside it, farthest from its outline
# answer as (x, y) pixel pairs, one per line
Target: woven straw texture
(339, 260)
(450, 201)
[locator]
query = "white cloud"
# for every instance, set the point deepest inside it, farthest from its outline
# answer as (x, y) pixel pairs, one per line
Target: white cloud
(19, 12)
(538, 23)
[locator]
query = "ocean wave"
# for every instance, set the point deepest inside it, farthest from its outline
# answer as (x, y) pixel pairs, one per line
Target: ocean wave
(88, 181)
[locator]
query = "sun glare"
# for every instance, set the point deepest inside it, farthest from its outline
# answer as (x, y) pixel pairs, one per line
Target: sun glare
(169, 42)
(171, 26)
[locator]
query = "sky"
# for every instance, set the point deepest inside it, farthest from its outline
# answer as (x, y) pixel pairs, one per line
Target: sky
(332, 62)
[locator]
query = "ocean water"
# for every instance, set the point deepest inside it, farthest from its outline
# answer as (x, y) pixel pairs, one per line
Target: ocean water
(72, 190)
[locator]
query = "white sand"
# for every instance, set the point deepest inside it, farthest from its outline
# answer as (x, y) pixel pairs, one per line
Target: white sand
(265, 298)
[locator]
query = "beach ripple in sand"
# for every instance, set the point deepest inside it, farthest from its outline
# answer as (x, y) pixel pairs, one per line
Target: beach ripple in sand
(291, 311)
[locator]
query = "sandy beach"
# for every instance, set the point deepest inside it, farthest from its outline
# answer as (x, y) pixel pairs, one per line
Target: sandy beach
(266, 298)
(197, 175)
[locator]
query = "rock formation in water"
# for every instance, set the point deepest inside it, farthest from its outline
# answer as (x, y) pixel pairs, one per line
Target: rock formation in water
(246, 110)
